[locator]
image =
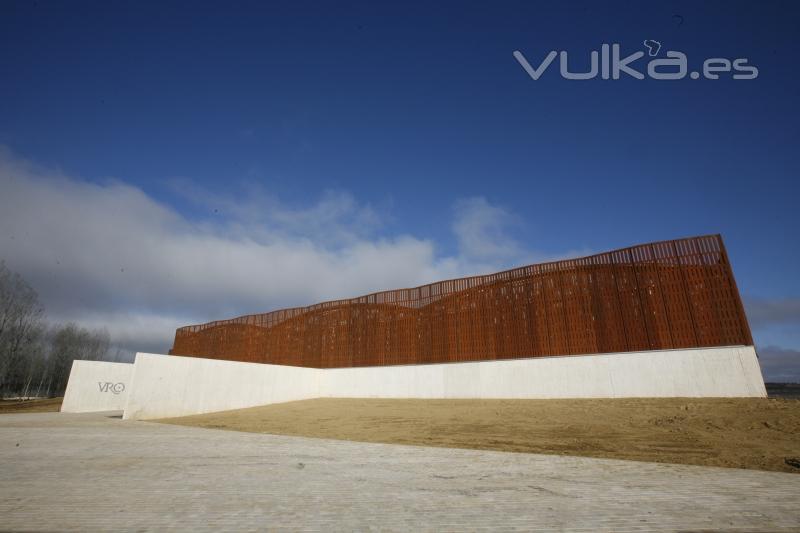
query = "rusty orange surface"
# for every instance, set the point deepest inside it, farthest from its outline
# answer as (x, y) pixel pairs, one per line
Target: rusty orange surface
(670, 294)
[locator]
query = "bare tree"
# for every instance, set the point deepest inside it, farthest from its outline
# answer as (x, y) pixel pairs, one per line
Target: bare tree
(36, 360)
(20, 328)
(71, 342)
(35, 367)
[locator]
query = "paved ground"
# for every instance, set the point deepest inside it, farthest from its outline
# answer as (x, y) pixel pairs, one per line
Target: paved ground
(92, 472)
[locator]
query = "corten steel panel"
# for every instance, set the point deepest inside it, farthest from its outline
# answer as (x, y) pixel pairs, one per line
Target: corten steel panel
(671, 294)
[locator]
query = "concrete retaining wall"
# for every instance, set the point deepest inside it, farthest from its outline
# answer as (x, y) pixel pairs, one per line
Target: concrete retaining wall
(165, 386)
(97, 386)
(711, 372)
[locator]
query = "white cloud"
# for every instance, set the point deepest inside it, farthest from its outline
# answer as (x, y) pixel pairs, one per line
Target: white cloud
(334, 220)
(484, 232)
(109, 255)
(481, 229)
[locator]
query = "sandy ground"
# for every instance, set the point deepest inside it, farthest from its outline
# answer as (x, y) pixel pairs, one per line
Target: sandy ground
(30, 406)
(742, 433)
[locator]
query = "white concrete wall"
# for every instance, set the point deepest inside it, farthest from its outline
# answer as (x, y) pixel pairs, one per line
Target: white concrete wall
(97, 386)
(165, 386)
(706, 372)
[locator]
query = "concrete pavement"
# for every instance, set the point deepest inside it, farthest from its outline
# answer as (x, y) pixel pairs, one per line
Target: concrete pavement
(93, 472)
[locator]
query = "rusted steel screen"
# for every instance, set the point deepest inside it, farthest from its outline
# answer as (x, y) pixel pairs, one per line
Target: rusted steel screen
(671, 294)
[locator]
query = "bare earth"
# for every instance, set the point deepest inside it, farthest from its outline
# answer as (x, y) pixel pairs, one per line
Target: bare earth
(30, 406)
(740, 432)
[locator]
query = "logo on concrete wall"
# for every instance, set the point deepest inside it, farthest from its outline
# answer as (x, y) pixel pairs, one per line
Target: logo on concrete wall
(110, 386)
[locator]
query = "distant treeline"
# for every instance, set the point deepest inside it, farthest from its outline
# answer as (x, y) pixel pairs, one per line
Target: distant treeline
(36, 357)
(783, 390)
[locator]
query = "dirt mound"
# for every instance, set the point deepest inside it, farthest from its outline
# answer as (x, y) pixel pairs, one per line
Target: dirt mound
(30, 406)
(737, 432)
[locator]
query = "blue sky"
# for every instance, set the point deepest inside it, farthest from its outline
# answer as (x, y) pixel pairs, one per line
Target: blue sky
(372, 145)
